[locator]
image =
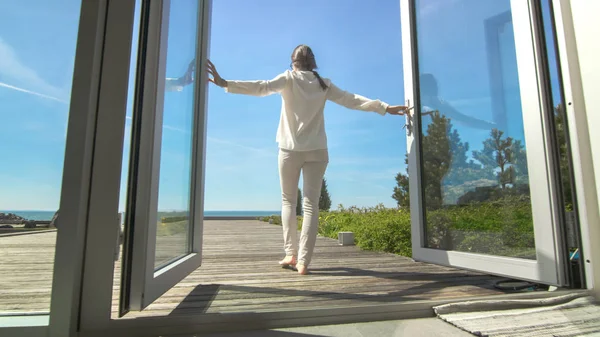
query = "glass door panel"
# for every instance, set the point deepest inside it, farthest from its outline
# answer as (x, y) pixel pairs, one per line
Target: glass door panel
(37, 63)
(165, 198)
(174, 229)
(477, 132)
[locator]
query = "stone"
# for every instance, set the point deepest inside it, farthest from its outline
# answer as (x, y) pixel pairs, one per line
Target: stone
(53, 222)
(346, 238)
(11, 218)
(30, 224)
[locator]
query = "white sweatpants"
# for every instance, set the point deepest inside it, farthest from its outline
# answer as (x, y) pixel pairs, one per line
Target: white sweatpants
(313, 165)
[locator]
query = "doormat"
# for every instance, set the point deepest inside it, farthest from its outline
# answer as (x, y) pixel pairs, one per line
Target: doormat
(567, 315)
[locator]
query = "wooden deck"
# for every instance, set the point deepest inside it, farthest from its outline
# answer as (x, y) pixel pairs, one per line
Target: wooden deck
(240, 274)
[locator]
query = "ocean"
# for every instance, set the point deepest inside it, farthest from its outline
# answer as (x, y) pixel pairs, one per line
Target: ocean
(47, 215)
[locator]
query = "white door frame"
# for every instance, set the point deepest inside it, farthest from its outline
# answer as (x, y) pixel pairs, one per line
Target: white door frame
(547, 268)
(579, 135)
(102, 56)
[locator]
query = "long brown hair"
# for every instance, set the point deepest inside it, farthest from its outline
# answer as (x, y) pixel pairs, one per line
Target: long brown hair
(304, 59)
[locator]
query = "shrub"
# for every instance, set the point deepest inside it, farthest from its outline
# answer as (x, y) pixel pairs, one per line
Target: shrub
(172, 228)
(501, 227)
(374, 228)
(272, 219)
(169, 219)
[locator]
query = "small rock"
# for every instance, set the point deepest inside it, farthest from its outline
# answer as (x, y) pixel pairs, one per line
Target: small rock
(30, 224)
(10, 217)
(53, 221)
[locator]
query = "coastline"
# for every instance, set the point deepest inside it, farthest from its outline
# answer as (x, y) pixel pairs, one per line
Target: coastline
(47, 215)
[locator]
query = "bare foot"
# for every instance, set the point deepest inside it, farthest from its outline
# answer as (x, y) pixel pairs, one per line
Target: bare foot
(302, 270)
(288, 261)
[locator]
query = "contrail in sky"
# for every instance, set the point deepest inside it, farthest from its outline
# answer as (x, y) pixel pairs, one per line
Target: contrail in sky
(4, 85)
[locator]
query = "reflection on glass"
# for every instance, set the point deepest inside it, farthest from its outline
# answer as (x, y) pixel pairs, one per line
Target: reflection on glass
(37, 53)
(474, 163)
(174, 228)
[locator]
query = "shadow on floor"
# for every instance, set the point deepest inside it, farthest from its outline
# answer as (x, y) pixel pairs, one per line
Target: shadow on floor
(201, 298)
(417, 276)
(266, 333)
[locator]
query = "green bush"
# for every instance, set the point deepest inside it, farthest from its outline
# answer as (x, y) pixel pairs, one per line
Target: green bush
(501, 227)
(273, 219)
(172, 228)
(169, 219)
(375, 228)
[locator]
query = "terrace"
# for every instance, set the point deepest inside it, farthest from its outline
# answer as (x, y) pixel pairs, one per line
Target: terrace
(240, 274)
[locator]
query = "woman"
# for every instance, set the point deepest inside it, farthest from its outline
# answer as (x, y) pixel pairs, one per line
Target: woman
(302, 141)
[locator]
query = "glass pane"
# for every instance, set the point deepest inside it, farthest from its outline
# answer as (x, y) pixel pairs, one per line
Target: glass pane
(175, 186)
(474, 163)
(37, 53)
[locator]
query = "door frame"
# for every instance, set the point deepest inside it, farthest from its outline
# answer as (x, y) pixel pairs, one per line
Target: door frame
(102, 223)
(579, 137)
(96, 78)
(95, 44)
(97, 284)
(72, 310)
(222, 322)
(549, 265)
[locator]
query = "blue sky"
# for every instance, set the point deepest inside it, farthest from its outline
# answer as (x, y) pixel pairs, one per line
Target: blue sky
(357, 44)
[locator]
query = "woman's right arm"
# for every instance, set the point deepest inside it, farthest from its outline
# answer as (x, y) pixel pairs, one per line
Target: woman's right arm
(257, 88)
(254, 88)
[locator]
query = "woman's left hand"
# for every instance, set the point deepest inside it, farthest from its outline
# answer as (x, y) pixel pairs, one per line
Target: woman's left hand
(397, 109)
(217, 79)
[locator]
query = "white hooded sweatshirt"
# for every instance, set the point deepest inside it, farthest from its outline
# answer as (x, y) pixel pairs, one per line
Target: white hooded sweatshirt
(302, 125)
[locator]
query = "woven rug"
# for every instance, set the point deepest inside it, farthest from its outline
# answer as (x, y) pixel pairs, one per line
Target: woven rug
(567, 315)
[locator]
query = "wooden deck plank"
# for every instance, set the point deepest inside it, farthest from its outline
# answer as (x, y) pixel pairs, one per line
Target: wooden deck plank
(240, 273)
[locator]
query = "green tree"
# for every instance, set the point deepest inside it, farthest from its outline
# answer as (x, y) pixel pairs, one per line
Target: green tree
(325, 198)
(299, 203)
(463, 169)
(464, 174)
(497, 156)
(519, 162)
(401, 192)
(436, 152)
(441, 149)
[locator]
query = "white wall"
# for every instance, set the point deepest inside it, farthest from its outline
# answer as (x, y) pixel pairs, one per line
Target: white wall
(586, 25)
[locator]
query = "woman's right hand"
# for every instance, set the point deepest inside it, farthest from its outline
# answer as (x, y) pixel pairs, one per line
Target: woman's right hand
(217, 79)
(397, 109)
